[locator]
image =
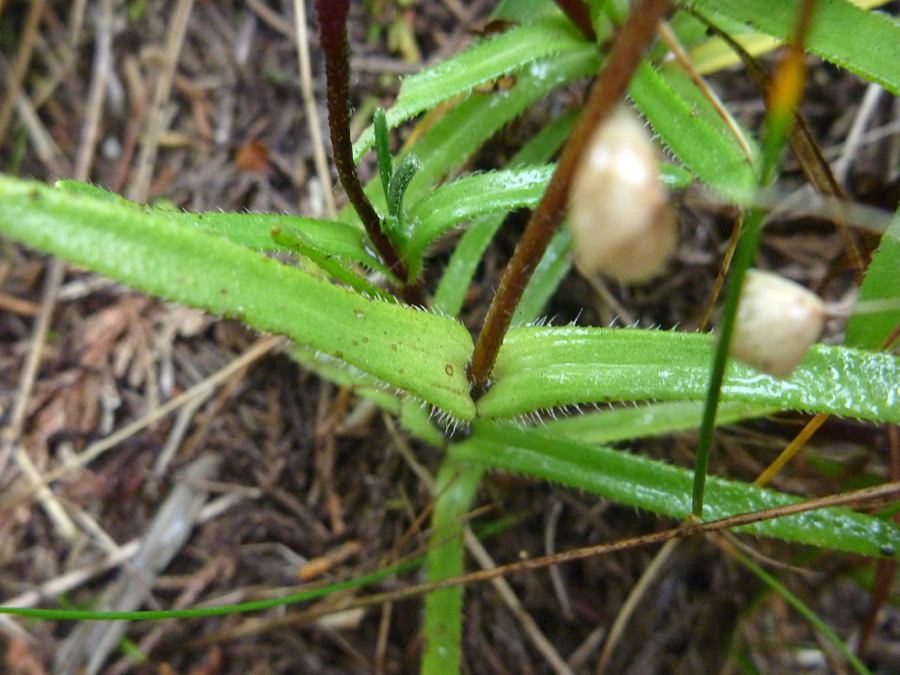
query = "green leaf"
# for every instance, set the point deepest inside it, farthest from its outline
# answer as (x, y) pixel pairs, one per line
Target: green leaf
(403, 173)
(467, 255)
(661, 488)
(641, 421)
(866, 43)
(418, 352)
(383, 150)
(473, 121)
(694, 134)
(255, 232)
(327, 263)
(807, 613)
(454, 491)
(552, 367)
(868, 329)
(469, 197)
(550, 271)
(508, 52)
(524, 10)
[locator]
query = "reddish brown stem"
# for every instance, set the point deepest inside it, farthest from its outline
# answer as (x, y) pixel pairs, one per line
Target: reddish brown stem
(580, 15)
(333, 31)
(628, 49)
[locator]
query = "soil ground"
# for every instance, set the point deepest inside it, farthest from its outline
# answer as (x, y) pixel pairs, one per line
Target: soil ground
(307, 472)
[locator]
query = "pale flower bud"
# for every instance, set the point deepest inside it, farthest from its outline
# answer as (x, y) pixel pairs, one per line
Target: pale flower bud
(776, 323)
(621, 224)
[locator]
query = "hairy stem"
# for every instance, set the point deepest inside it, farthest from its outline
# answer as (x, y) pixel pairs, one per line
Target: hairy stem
(333, 31)
(624, 58)
(580, 15)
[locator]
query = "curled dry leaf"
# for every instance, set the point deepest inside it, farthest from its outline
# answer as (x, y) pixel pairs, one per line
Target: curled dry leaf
(777, 322)
(621, 223)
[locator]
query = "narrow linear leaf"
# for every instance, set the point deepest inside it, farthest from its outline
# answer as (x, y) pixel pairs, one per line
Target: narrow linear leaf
(552, 367)
(469, 123)
(193, 612)
(403, 173)
(641, 421)
(486, 60)
(454, 491)
(865, 43)
(710, 153)
(807, 613)
(469, 197)
(518, 11)
(255, 232)
(412, 350)
(882, 284)
(665, 489)
(331, 265)
(548, 274)
(467, 255)
(474, 120)
(383, 149)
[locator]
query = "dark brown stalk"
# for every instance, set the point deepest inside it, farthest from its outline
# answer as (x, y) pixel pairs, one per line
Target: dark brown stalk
(627, 50)
(333, 32)
(580, 15)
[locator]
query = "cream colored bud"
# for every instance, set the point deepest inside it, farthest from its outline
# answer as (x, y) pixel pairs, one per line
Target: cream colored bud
(621, 223)
(777, 322)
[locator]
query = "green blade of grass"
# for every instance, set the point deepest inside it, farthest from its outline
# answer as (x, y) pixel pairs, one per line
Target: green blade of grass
(194, 612)
(552, 367)
(806, 612)
(413, 350)
(665, 489)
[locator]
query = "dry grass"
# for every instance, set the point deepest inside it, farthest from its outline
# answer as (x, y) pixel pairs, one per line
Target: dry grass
(201, 104)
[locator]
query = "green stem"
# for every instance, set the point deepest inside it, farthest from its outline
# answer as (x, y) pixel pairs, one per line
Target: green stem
(454, 491)
(784, 94)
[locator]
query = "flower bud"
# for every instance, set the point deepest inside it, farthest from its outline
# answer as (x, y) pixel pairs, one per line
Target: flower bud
(777, 321)
(621, 224)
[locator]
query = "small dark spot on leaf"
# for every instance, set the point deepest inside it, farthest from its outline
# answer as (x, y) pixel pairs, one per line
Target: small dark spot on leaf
(365, 340)
(394, 347)
(339, 354)
(449, 370)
